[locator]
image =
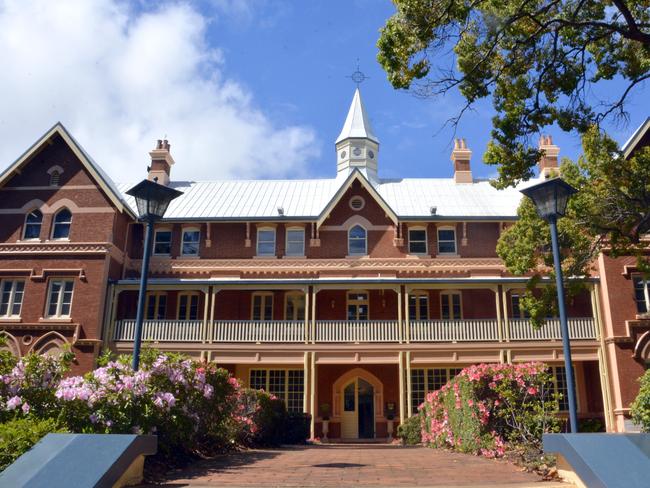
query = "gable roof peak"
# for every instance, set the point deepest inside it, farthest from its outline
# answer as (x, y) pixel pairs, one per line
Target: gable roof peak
(357, 123)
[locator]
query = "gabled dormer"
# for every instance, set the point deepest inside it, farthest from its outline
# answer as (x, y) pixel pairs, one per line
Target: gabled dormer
(357, 146)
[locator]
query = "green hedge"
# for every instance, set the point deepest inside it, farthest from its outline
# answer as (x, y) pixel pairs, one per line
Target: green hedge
(18, 436)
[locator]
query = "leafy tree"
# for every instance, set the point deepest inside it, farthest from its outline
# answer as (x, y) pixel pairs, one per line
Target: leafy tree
(539, 60)
(611, 210)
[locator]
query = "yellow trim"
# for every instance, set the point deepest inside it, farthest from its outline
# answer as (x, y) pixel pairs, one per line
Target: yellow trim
(187, 308)
(294, 294)
(157, 295)
(356, 301)
(450, 303)
(417, 294)
(263, 295)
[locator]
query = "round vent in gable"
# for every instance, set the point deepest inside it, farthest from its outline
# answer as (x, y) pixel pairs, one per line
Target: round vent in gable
(357, 203)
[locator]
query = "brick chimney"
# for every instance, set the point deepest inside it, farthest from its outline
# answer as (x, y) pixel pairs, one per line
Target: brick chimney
(161, 163)
(548, 163)
(461, 157)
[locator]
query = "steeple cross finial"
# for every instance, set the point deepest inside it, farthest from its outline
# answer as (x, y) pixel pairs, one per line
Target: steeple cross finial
(358, 76)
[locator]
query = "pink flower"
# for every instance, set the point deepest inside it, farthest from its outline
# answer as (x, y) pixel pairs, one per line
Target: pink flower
(532, 390)
(13, 402)
(26, 408)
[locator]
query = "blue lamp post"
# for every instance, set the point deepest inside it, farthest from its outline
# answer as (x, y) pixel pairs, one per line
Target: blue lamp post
(152, 200)
(551, 197)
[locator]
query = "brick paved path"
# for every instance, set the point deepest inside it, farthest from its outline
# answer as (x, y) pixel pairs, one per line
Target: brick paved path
(345, 465)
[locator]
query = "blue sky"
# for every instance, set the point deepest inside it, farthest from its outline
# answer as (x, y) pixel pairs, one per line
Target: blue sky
(242, 88)
(295, 56)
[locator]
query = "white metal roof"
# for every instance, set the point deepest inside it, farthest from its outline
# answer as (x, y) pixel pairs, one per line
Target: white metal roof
(357, 123)
(260, 199)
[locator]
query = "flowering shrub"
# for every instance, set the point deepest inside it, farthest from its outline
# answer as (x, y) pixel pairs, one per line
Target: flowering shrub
(189, 405)
(27, 386)
(488, 406)
(186, 403)
(640, 409)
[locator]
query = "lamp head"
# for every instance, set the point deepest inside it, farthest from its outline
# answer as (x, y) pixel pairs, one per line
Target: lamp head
(550, 197)
(152, 199)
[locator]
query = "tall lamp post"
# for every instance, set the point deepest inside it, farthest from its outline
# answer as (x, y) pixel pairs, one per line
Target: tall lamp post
(551, 197)
(152, 200)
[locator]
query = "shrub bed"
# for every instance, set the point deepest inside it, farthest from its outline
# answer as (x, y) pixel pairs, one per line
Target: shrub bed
(194, 408)
(640, 408)
(489, 408)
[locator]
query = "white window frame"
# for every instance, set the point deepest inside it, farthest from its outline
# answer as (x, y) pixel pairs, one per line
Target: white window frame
(198, 243)
(365, 241)
(25, 224)
(12, 297)
(257, 248)
(427, 373)
(426, 240)
(60, 299)
(155, 240)
(55, 223)
(447, 295)
(285, 394)
(455, 241)
(646, 292)
(302, 242)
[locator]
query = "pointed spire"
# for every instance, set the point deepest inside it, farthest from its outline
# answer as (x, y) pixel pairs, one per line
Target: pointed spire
(357, 123)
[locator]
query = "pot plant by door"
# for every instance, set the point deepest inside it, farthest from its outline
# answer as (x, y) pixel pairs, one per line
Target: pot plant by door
(390, 417)
(325, 415)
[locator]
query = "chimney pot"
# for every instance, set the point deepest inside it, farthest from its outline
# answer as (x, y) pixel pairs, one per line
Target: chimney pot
(461, 157)
(548, 163)
(161, 162)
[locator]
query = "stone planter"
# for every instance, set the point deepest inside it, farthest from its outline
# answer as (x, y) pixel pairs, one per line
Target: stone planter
(390, 429)
(326, 427)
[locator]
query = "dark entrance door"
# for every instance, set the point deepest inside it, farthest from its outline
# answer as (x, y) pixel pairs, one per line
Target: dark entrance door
(366, 410)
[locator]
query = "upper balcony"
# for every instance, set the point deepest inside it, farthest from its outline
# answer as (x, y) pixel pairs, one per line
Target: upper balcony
(333, 314)
(351, 332)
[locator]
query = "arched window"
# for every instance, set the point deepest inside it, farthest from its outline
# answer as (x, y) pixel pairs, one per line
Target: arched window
(357, 240)
(62, 222)
(33, 223)
(54, 178)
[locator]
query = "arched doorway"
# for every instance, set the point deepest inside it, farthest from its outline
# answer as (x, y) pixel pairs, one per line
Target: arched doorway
(358, 410)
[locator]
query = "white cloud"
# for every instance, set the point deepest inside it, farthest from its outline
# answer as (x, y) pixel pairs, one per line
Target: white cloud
(120, 79)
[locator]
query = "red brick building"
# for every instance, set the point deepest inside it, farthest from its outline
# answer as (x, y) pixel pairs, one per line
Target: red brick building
(351, 296)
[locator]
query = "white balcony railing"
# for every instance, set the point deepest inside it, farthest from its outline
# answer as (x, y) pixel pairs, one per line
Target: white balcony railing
(579, 328)
(287, 331)
(255, 331)
(161, 330)
(454, 330)
(357, 331)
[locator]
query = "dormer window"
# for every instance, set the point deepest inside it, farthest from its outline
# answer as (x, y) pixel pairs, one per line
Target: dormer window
(357, 242)
(191, 242)
(162, 242)
(55, 176)
(33, 223)
(447, 240)
(266, 241)
(295, 242)
(62, 223)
